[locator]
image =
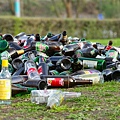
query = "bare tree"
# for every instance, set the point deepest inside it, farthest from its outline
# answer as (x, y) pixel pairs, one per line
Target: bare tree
(68, 6)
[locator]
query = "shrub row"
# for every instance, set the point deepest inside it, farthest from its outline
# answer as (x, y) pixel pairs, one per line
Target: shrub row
(91, 29)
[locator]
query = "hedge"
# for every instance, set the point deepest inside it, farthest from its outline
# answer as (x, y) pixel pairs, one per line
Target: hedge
(91, 29)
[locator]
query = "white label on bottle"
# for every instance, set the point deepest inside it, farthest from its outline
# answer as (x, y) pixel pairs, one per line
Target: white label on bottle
(49, 81)
(89, 64)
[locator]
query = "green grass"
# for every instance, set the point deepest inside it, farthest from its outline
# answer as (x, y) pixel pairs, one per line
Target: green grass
(116, 41)
(97, 102)
(100, 101)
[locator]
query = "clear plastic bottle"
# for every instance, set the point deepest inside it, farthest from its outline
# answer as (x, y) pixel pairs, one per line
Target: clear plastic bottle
(5, 80)
(52, 97)
(55, 99)
(41, 96)
(68, 95)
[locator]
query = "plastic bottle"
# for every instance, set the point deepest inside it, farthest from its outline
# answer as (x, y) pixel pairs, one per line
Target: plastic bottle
(55, 99)
(41, 96)
(68, 95)
(5, 81)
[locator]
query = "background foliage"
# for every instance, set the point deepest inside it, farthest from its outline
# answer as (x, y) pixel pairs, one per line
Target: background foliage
(78, 17)
(63, 8)
(91, 29)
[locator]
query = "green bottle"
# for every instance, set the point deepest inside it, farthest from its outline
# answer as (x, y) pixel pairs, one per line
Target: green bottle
(67, 72)
(76, 64)
(95, 63)
(89, 52)
(53, 72)
(112, 53)
(4, 45)
(19, 90)
(47, 36)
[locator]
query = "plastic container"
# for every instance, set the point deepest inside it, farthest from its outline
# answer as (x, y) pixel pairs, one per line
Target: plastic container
(52, 97)
(55, 99)
(41, 96)
(68, 95)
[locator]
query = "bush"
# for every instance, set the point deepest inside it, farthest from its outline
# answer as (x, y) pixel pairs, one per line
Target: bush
(91, 29)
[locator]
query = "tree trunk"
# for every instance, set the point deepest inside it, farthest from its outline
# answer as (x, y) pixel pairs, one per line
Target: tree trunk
(68, 6)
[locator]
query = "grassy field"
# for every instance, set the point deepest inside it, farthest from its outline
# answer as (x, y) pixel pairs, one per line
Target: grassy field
(97, 102)
(116, 42)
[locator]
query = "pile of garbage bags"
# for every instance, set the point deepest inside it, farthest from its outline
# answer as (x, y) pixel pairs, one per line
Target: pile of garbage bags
(58, 61)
